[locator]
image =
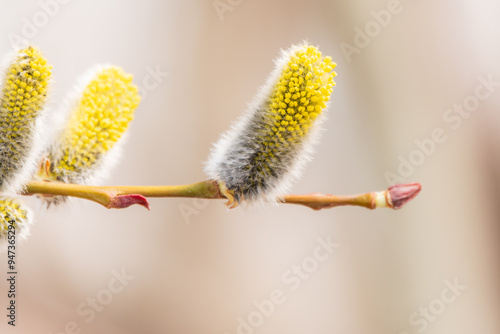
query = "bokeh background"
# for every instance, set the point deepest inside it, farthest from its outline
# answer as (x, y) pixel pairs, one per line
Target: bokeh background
(200, 268)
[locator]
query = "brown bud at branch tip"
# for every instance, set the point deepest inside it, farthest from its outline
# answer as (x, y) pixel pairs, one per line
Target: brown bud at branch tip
(397, 196)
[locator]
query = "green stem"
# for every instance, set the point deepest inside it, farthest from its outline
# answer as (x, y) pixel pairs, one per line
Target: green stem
(123, 196)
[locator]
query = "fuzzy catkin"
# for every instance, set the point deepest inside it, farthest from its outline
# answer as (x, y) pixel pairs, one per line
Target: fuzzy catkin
(99, 118)
(23, 97)
(14, 217)
(265, 151)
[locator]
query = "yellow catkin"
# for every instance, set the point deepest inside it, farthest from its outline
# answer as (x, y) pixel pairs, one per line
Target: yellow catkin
(298, 98)
(97, 122)
(265, 151)
(24, 94)
(13, 213)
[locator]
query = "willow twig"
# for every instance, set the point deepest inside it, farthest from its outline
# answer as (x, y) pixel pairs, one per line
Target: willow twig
(119, 197)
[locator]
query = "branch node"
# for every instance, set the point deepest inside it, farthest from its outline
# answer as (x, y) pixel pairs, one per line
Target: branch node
(124, 201)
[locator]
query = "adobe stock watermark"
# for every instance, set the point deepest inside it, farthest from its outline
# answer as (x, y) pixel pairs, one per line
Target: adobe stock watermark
(223, 6)
(421, 319)
(363, 36)
(292, 278)
(151, 81)
(87, 309)
(197, 205)
(453, 118)
(30, 27)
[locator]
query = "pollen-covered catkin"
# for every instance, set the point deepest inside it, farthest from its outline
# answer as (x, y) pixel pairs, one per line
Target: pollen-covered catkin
(14, 217)
(23, 96)
(265, 150)
(99, 118)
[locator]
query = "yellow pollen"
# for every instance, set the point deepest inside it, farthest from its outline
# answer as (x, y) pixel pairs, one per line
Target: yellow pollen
(297, 99)
(99, 120)
(11, 213)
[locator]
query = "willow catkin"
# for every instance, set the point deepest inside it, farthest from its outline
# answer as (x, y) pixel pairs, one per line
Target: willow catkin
(22, 101)
(99, 117)
(15, 220)
(265, 151)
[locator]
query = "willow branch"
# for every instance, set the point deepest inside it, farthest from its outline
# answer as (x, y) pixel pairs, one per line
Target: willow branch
(118, 197)
(395, 198)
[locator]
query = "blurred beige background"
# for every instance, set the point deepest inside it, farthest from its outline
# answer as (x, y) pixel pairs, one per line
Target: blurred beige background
(199, 268)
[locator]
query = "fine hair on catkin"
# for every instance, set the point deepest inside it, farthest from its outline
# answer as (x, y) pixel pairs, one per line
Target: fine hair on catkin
(265, 151)
(89, 139)
(23, 98)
